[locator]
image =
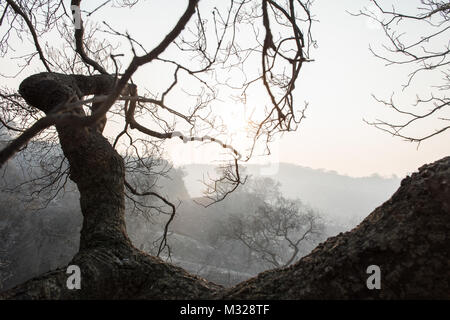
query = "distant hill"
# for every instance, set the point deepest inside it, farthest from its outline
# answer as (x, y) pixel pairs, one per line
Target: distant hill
(342, 198)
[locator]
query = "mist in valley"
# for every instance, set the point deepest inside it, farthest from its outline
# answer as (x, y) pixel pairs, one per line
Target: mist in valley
(271, 221)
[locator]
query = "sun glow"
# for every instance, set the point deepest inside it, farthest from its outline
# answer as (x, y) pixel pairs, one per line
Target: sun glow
(236, 126)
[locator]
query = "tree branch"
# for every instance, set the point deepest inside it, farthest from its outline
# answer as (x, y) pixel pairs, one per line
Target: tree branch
(19, 11)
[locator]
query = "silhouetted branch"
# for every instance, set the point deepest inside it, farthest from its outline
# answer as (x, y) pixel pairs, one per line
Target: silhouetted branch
(426, 51)
(20, 12)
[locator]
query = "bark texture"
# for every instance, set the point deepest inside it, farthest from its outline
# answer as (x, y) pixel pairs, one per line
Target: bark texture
(408, 237)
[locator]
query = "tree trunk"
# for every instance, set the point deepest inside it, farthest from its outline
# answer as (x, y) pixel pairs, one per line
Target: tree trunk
(111, 267)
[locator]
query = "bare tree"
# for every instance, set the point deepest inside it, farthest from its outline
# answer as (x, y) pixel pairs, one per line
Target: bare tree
(84, 83)
(277, 231)
(418, 39)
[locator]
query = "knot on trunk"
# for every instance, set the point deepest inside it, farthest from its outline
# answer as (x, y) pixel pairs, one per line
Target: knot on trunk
(47, 90)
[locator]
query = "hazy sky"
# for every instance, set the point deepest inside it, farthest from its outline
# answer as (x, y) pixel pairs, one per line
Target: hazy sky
(338, 87)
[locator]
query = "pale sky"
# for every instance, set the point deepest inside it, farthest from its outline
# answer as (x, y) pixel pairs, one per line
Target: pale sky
(338, 87)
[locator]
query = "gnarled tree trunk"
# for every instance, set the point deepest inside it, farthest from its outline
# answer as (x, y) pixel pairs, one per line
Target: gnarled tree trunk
(110, 266)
